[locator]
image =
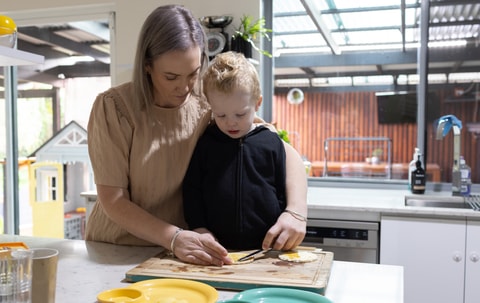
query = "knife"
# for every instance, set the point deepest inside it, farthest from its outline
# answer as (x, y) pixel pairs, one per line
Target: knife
(251, 255)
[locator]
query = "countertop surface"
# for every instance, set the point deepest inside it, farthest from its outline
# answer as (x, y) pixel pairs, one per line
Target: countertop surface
(88, 268)
(367, 203)
(371, 203)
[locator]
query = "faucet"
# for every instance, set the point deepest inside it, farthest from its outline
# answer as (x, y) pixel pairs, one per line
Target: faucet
(445, 123)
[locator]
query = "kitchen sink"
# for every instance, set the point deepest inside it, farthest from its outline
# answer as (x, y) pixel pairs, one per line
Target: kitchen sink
(437, 201)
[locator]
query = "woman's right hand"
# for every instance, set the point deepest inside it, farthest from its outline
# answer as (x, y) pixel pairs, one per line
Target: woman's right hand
(200, 248)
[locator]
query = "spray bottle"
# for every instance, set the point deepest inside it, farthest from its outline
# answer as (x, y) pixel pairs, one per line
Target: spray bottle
(418, 178)
(465, 178)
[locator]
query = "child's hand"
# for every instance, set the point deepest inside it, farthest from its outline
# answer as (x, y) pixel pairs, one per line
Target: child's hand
(287, 233)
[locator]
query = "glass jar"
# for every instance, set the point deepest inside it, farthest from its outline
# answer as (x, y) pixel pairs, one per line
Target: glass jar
(8, 32)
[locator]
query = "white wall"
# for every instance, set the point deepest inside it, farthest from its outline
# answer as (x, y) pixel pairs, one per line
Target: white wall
(129, 16)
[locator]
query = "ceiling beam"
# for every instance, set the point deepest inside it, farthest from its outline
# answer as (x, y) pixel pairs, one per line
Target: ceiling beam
(50, 37)
(82, 69)
(381, 28)
(450, 2)
(379, 69)
(308, 70)
(392, 72)
(98, 29)
(46, 50)
(375, 58)
(316, 17)
(363, 88)
(457, 66)
(346, 59)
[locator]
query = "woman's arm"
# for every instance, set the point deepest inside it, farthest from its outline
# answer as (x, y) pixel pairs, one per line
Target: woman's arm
(296, 182)
(290, 228)
(188, 246)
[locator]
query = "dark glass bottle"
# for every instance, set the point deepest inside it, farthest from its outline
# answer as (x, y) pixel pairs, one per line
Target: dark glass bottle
(418, 178)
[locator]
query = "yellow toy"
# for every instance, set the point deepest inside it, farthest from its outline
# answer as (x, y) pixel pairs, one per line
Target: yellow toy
(8, 31)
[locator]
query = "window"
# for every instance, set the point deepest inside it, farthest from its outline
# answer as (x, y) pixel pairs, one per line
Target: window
(344, 54)
(74, 45)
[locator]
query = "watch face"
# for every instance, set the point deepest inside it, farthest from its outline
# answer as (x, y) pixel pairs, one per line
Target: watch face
(216, 43)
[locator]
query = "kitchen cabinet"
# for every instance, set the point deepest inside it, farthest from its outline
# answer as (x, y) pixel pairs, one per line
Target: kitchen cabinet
(472, 261)
(440, 257)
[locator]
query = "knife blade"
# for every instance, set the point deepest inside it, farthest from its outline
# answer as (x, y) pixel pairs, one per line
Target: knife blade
(251, 255)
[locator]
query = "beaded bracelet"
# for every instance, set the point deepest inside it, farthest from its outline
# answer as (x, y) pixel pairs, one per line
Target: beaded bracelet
(172, 243)
(296, 215)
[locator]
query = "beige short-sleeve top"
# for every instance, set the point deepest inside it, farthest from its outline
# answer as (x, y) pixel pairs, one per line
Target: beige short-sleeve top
(149, 157)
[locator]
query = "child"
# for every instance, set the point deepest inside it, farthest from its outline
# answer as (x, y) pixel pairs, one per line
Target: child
(235, 184)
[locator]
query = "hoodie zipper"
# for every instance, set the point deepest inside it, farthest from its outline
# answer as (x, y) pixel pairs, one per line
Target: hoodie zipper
(238, 193)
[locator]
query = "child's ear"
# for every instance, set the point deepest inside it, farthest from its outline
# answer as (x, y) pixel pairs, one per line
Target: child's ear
(259, 102)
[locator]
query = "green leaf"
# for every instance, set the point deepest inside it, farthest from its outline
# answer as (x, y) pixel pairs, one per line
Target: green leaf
(283, 134)
(249, 30)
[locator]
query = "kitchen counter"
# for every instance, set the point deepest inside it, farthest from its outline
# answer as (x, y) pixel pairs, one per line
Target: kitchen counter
(87, 268)
(363, 202)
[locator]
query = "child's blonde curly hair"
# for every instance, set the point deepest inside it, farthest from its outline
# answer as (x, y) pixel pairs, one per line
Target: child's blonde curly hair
(231, 71)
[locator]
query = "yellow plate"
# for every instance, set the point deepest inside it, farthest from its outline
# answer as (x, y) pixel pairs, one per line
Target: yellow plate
(176, 291)
(13, 245)
(121, 295)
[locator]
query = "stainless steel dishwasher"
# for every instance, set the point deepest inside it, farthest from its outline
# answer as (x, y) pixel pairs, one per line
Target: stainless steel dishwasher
(356, 241)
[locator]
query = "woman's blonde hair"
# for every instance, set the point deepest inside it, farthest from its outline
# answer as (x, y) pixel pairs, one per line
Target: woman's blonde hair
(229, 71)
(167, 28)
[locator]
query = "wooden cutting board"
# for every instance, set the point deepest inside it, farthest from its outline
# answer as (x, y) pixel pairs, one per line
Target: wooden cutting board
(266, 271)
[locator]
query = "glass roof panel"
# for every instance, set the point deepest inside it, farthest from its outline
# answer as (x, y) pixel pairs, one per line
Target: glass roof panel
(342, 4)
(289, 6)
(299, 40)
(411, 16)
(379, 18)
(369, 37)
(347, 22)
(330, 20)
(353, 28)
(294, 24)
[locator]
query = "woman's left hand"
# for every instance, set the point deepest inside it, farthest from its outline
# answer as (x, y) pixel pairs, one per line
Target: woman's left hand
(287, 233)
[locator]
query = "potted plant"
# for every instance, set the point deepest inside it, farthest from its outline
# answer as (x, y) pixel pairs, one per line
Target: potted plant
(243, 39)
(283, 134)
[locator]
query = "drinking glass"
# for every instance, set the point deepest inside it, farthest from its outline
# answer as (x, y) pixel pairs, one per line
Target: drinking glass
(16, 276)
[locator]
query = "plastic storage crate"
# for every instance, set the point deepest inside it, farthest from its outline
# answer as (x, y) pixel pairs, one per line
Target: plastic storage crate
(74, 226)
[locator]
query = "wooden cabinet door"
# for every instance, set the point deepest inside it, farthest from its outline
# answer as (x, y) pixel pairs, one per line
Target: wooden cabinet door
(472, 263)
(432, 252)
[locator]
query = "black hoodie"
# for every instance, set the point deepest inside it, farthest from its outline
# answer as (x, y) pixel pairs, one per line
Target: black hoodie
(236, 187)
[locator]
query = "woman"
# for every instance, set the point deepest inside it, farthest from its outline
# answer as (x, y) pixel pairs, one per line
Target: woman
(141, 136)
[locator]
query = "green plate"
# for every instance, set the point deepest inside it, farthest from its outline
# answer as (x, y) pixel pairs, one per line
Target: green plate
(280, 295)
